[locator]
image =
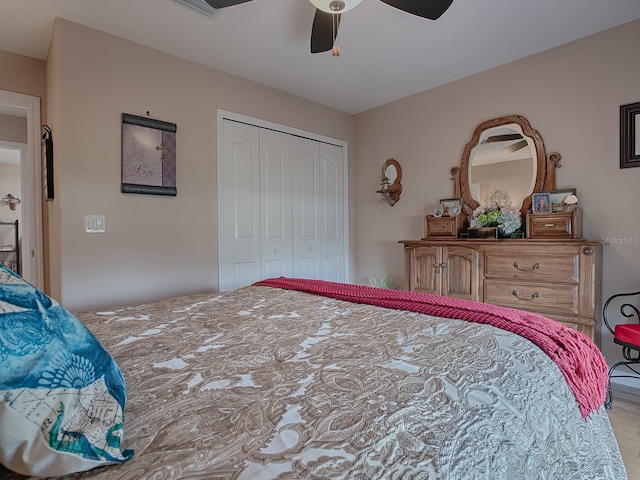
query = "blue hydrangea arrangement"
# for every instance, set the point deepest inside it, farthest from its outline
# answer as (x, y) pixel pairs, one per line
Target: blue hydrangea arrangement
(497, 211)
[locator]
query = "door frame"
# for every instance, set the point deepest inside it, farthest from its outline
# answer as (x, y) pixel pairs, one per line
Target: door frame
(31, 183)
(256, 122)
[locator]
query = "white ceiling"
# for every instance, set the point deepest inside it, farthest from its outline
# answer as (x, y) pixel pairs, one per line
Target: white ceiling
(386, 54)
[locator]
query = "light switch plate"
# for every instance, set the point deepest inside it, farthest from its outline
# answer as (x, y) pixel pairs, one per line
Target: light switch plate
(94, 224)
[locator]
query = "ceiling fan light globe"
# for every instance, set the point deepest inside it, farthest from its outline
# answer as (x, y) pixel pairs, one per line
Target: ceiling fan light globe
(335, 6)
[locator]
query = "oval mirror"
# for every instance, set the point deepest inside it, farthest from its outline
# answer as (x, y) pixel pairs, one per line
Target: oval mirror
(390, 172)
(507, 154)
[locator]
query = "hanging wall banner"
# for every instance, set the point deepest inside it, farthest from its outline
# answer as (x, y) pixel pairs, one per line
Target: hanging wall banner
(148, 156)
(47, 164)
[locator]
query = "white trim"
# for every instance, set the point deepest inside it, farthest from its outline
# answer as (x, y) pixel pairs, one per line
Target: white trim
(256, 122)
(226, 115)
(31, 174)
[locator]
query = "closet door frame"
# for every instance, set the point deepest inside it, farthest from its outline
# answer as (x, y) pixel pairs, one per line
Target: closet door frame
(226, 115)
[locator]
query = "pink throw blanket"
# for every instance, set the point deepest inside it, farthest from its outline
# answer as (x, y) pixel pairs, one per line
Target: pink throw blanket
(580, 361)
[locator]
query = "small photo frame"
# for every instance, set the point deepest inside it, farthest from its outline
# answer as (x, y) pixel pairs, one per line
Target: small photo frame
(451, 206)
(541, 202)
(556, 198)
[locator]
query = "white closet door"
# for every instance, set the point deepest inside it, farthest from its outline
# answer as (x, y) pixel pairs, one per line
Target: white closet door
(281, 207)
(307, 237)
(332, 207)
(275, 204)
(239, 206)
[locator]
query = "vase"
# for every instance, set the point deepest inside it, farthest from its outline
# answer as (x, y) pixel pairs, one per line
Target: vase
(483, 232)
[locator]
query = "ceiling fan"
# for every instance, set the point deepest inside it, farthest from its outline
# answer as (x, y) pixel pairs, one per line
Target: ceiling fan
(328, 14)
(514, 147)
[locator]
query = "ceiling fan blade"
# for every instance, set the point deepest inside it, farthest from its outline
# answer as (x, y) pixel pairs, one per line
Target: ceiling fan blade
(323, 31)
(503, 138)
(515, 147)
(225, 3)
(431, 9)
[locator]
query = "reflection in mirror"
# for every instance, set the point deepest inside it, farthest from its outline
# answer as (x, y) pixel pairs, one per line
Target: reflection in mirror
(504, 160)
(391, 173)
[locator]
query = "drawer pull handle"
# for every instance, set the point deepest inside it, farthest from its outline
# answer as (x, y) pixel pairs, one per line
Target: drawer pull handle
(516, 293)
(536, 266)
(440, 227)
(550, 225)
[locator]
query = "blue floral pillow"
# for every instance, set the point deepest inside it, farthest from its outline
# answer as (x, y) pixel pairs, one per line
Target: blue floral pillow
(62, 396)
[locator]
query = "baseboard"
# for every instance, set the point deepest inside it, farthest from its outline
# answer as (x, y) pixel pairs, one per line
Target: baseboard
(626, 396)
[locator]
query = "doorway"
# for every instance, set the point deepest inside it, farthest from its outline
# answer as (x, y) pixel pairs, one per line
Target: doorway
(27, 106)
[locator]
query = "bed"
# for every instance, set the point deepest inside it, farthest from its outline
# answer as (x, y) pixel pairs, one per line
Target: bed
(274, 382)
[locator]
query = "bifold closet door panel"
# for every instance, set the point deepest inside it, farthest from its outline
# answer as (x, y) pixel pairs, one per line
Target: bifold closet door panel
(306, 204)
(276, 246)
(318, 211)
(332, 213)
(240, 238)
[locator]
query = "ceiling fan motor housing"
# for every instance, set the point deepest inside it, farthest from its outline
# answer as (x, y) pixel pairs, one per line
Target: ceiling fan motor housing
(335, 6)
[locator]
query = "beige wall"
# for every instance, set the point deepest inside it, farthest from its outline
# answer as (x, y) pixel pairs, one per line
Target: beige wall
(23, 75)
(155, 246)
(13, 129)
(570, 94)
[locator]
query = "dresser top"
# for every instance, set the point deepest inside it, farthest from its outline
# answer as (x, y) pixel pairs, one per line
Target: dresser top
(506, 241)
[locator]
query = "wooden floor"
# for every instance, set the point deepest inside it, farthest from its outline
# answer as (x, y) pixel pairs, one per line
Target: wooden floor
(625, 418)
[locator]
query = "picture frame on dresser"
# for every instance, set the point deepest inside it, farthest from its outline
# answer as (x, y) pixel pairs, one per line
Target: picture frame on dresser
(451, 206)
(556, 198)
(541, 202)
(630, 135)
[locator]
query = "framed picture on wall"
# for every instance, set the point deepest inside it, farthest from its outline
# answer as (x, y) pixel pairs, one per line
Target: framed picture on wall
(148, 156)
(630, 135)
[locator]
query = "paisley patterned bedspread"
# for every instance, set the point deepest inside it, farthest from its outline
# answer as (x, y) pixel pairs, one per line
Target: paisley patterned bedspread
(264, 383)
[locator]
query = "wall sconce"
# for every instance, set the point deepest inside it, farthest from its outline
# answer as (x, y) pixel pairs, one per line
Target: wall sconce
(390, 186)
(11, 200)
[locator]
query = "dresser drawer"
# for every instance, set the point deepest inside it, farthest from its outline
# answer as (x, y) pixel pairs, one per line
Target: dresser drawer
(540, 267)
(443, 227)
(555, 225)
(538, 297)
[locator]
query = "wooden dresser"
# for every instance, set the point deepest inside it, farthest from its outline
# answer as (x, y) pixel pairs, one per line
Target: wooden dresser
(560, 279)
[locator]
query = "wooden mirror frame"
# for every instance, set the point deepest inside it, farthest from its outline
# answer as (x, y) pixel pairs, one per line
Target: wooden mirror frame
(395, 189)
(545, 166)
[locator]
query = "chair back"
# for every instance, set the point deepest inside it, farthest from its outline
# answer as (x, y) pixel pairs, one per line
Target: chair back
(623, 301)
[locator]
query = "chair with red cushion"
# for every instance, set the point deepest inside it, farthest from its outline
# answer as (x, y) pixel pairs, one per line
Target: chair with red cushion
(625, 334)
